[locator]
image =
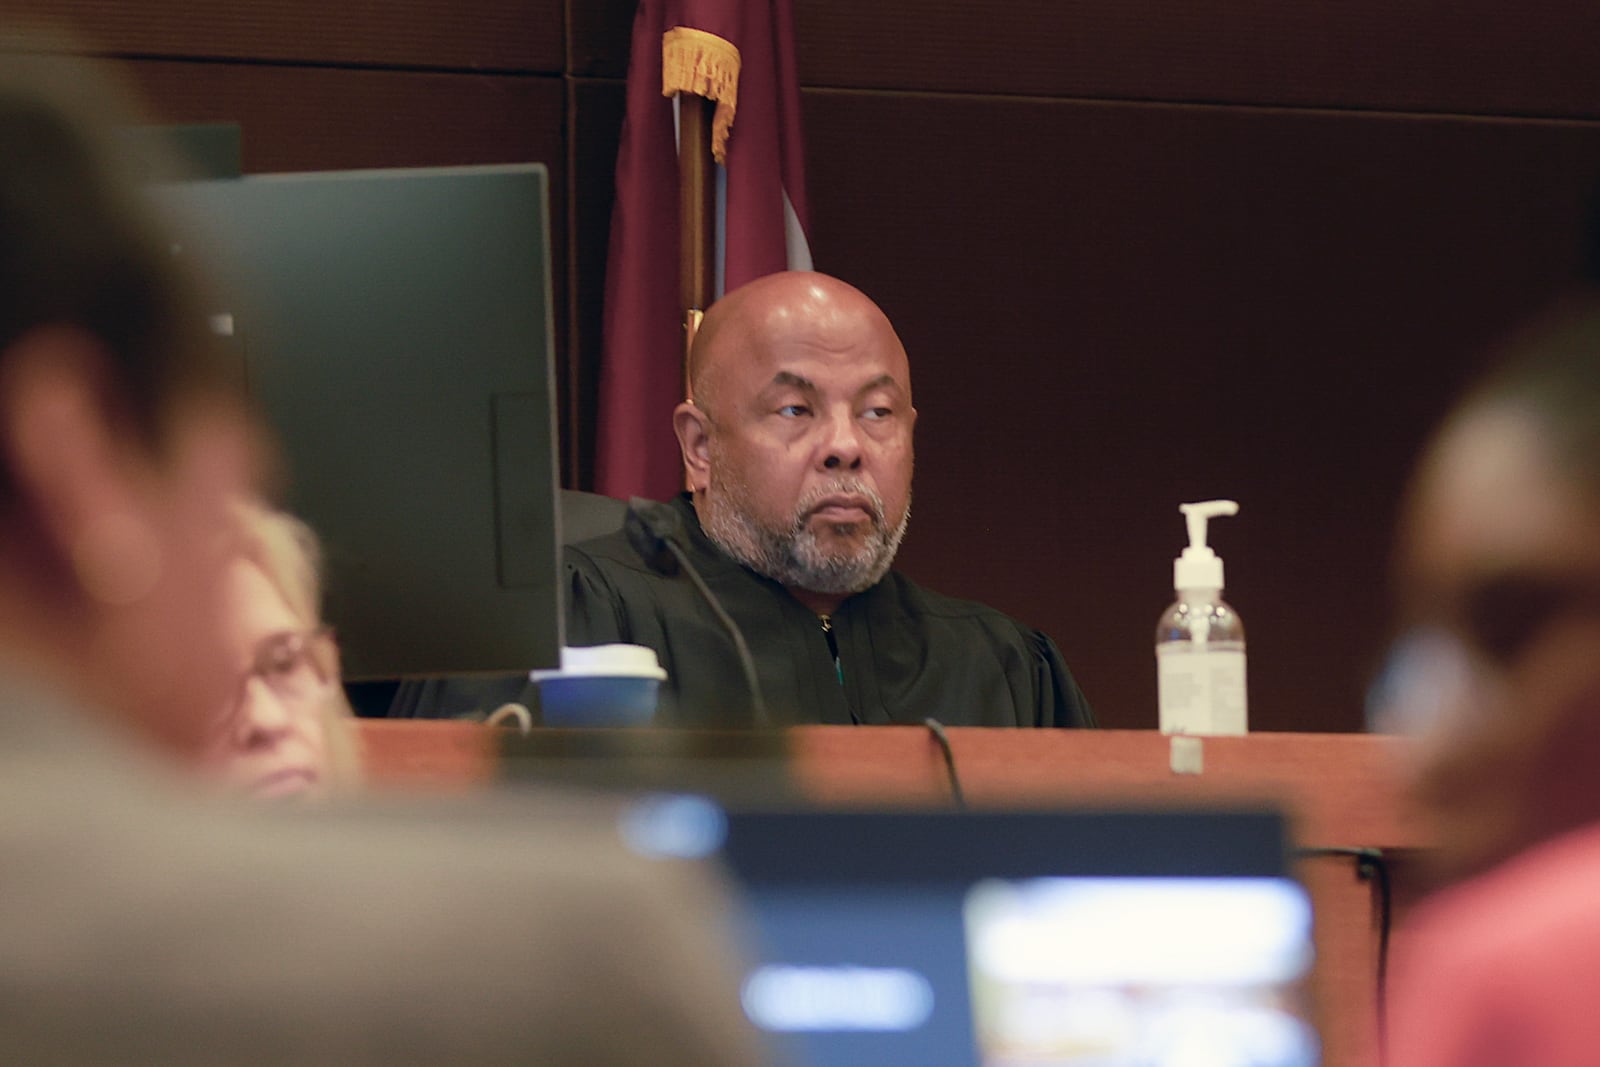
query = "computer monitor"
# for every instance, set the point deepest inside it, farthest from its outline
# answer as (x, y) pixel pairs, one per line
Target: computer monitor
(395, 328)
(1010, 938)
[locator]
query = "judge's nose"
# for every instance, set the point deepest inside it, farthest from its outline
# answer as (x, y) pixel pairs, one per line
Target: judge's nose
(841, 448)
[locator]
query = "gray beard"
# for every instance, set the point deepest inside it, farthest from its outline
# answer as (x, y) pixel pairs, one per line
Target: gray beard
(794, 557)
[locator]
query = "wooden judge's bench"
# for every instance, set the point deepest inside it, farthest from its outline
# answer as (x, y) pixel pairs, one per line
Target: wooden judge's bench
(1338, 789)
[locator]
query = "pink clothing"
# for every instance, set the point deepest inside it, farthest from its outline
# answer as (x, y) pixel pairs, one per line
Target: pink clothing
(1504, 970)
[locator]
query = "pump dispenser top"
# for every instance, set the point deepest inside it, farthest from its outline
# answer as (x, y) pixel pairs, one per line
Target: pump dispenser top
(1199, 568)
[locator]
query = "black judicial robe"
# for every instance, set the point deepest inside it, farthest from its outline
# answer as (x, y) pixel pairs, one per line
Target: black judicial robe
(905, 653)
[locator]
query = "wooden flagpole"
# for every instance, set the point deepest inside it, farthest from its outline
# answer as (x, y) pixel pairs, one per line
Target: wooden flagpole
(697, 217)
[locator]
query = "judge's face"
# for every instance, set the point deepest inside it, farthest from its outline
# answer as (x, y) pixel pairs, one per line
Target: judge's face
(810, 454)
(270, 736)
(1502, 566)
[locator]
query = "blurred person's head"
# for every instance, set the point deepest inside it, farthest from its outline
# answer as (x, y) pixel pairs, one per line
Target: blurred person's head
(121, 437)
(1500, 569)
(285, 729)
(798, 440)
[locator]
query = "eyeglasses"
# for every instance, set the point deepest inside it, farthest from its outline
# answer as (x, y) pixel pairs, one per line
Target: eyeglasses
(1502, 616)
(1440, 671)
(296, 666)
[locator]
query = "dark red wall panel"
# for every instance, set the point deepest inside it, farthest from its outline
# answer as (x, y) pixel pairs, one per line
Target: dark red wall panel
(310, 118)
(1114, 308)
(1474, 56)
(524, 35)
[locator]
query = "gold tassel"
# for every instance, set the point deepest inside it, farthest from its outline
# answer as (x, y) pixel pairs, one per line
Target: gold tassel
(694, 61)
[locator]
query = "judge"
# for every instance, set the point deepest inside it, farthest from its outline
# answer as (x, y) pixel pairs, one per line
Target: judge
(798, 451)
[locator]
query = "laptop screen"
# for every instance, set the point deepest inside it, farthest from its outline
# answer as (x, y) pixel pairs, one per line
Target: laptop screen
(1006, 939)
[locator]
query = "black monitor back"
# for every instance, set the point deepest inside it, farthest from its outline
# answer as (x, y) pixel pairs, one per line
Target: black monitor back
(395, 328)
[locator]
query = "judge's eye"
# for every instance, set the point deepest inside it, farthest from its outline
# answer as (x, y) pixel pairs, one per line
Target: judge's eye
(877, 413)
(794, 411)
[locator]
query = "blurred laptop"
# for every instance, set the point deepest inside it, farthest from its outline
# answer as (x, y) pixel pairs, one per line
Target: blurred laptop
(1004, 939)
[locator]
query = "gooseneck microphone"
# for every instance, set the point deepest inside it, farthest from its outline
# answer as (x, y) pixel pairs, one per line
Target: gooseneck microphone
(655, 531)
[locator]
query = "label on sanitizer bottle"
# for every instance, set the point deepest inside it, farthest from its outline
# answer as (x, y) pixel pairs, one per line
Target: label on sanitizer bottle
(1201, 690)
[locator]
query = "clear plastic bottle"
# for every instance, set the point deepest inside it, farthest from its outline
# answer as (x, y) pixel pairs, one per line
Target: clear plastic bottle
(1200, 653)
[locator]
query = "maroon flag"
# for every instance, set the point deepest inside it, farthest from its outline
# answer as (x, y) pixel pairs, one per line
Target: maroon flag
(739, 53)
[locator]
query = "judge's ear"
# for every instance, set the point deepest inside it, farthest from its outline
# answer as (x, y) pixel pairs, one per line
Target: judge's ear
(693, 428)
(73, 469)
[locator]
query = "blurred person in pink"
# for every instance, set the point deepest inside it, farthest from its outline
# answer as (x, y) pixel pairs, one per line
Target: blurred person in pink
(1500, 572)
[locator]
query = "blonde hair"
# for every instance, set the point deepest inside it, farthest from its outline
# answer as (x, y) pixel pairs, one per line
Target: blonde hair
(290, 556)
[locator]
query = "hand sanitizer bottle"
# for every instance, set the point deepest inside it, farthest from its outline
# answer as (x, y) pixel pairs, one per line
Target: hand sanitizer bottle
(1200, 640)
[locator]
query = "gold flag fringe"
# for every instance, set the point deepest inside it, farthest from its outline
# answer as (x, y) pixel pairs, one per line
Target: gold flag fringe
(694, 61)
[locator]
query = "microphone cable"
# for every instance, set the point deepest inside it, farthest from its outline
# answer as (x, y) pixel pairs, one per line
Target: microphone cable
(747, 662)
(653, 530)
(1372, 866)
(936, 728)
(517, 714)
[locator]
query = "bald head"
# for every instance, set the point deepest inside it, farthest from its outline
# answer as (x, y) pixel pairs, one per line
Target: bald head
(790, 307)
(797, 444)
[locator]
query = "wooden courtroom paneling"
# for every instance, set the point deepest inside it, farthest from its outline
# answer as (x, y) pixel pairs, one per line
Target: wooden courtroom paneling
(314, 118)
(1477, 56)
(1345, 981)
(522, 35)
(1340, 790)
(1113, 308)
(599, 33)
